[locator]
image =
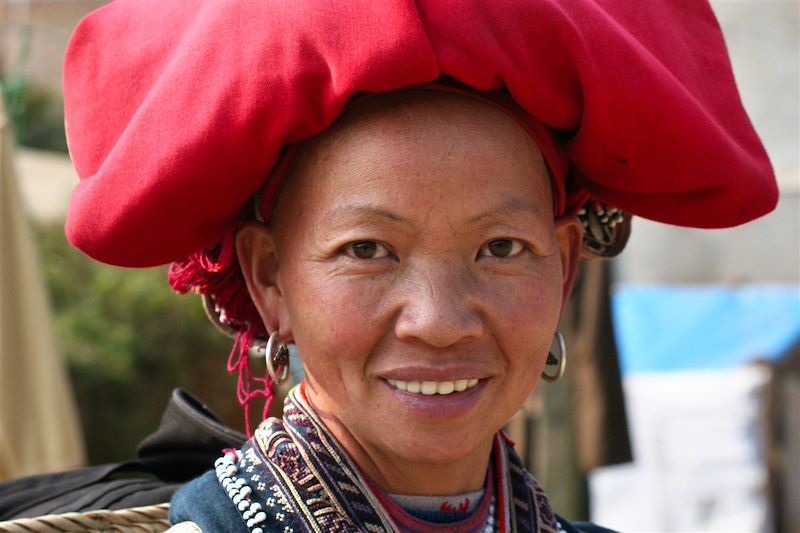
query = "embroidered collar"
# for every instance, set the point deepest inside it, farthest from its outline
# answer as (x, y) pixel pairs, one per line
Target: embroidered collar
(294, 477)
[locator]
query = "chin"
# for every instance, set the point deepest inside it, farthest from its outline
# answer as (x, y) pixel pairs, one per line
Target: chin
(436, 445)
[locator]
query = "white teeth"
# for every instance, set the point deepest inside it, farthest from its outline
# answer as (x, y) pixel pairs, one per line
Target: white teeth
(445, 387)
(429, 388)
(401, 385)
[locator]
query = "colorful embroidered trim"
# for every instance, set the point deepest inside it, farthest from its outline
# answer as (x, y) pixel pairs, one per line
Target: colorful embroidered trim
(294, 477)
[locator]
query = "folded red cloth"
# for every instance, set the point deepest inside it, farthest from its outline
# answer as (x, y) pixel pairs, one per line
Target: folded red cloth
(177, 111)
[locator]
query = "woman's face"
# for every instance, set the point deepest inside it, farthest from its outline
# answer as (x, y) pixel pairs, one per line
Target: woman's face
(415, 262)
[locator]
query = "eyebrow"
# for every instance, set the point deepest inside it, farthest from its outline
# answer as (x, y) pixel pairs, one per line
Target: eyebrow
(511, 206)
(366, 211)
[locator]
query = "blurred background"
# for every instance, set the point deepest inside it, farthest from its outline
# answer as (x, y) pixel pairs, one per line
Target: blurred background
(680, 408)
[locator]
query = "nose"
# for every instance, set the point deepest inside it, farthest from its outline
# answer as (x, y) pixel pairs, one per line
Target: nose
(440, 306)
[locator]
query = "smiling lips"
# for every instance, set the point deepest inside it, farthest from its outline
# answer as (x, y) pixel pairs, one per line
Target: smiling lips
(429, 388)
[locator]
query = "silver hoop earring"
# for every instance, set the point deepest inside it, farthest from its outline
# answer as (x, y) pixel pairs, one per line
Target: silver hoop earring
(559, 361)
(277, 360)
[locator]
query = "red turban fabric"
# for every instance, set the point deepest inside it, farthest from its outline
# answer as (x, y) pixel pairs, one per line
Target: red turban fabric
(177, 111)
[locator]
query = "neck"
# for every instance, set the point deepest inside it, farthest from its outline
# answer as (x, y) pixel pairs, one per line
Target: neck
(395, 474)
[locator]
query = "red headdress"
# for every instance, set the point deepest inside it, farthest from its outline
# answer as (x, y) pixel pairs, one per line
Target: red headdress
(177, 111)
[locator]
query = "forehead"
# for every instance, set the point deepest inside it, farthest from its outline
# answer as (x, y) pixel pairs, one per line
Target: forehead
(421, 144)
(436, 121)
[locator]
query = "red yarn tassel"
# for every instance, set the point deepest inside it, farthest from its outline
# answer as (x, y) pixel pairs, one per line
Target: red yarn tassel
(215, 272)
(248, 387)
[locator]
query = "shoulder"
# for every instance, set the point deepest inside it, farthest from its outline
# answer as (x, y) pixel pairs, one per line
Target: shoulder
(185, 527)
(192, 527)
(202, 505)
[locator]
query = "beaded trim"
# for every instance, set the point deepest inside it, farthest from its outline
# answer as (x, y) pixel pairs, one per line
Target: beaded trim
(323, 494)
(239, 491)
(491, 525)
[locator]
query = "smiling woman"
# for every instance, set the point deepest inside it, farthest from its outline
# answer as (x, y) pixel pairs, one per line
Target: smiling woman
(454, 280)
(402, 190)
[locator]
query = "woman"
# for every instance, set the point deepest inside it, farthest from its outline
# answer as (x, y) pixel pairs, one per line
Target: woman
(417, 233)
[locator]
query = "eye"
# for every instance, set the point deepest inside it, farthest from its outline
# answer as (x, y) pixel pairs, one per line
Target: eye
(366, 250)
(501, 248)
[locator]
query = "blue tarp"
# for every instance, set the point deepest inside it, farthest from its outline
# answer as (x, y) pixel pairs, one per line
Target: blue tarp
(682, 327)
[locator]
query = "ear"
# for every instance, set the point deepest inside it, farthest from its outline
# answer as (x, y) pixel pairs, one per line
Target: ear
(258, 259)
(569, 235)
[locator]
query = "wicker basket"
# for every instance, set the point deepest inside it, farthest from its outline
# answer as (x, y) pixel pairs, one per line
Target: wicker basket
(150, 519)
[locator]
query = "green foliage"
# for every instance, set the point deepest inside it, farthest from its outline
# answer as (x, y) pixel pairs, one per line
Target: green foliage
(128, 341)
(36, 114)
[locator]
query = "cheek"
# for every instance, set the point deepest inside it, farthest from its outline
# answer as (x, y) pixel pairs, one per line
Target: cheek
(524, 316)
(529, 305)
(334, 323)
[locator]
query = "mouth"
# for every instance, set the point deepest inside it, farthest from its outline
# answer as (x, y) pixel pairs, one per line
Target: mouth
(430, 388)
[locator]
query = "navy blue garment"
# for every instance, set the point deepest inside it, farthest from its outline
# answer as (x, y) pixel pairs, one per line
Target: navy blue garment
(294, 476)
(204, 502)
